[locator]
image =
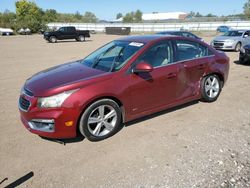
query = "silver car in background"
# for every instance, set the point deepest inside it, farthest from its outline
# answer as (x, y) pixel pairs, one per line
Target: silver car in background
(232, 40)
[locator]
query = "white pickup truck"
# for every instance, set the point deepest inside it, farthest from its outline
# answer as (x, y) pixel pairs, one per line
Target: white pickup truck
(6, 31)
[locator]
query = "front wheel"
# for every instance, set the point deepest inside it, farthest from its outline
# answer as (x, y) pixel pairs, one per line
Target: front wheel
(238, 47)
(53, 39)
(100, 120)
(211, 86)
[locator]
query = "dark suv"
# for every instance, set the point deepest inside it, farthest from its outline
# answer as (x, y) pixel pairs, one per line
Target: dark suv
(245, 54)
(180, 33)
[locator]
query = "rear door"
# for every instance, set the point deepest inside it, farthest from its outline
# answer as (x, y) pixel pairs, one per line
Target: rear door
(193, 58)
(71, 33)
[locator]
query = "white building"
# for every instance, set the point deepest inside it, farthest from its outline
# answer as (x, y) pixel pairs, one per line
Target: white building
(156, 16)
(164, 16)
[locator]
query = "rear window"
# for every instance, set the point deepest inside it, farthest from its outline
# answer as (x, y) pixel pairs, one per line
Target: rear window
(187, 50)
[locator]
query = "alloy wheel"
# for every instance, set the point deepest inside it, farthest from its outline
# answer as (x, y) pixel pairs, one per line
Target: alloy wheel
(212, 86)
(102, 120)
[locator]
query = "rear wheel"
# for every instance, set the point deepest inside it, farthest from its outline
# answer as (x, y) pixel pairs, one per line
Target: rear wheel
(53, 39)
(100, 120)
(238, 47)
(211, 86)
(81, 38)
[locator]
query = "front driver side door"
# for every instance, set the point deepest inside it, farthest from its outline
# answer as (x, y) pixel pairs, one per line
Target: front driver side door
(157, 88)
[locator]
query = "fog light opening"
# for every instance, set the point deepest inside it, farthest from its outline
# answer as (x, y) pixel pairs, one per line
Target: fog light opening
(45, 125)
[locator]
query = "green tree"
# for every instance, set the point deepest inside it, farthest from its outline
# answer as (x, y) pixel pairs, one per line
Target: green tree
(191, 14)
(247, 9)
(128, 18)
(119, 15)
(7, 19)
(198, 14)
(89, 17)
(50, 15)
(138, 16)
(210, 15)
(133, 17)
(78, 16)
(29, 15)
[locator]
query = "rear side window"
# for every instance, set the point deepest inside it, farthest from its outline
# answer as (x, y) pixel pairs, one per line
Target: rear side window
(188, 35)
(70, 29)
(187, 50)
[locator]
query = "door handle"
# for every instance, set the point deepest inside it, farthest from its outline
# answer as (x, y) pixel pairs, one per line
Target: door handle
(171, 75)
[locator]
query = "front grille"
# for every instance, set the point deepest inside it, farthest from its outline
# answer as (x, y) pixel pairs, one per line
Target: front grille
(28, 92)
(24, 104)
(220, 44)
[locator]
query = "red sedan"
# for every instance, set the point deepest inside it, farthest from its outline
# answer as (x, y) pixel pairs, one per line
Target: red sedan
(121, 81)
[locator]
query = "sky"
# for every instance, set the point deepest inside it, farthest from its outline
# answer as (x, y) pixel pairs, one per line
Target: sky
(107, 9)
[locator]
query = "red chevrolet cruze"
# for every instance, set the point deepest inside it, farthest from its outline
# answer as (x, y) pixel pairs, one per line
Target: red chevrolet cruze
(121, 81)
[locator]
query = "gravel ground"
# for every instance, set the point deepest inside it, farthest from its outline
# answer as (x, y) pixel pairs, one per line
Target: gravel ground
(194, 145)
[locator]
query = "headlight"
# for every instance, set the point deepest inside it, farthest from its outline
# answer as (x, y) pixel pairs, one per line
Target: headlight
(55, 100)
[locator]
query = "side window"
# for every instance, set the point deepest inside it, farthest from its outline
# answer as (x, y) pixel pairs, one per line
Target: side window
(247, 33)
(62, 29)
(70, 29)
(158, 55)
(188, 35)
(190, 50)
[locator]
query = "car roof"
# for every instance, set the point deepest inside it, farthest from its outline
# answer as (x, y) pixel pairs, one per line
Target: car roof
(174, 32)
(243, 30)
(147, 38)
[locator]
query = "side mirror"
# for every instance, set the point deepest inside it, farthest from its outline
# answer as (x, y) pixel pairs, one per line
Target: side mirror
(142, 67)
(245, 36)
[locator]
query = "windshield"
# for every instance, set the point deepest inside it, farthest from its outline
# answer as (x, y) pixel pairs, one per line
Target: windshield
(112, 56)
(234, 33)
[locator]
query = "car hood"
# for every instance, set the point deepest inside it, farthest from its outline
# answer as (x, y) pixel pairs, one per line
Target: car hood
(60, 78)
(224, 38)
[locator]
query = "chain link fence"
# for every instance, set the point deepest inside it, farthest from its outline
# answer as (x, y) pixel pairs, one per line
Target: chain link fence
(156, 27)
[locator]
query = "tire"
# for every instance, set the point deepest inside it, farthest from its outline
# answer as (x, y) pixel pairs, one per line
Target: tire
(53, 39)
(242, 60)
(237, 47)
(211, 86)
(95, 126)
(81, 38)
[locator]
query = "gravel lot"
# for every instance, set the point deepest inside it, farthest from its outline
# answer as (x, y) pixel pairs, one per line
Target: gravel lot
(195, 145)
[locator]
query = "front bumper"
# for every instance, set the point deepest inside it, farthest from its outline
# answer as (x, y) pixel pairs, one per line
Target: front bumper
(50, 123)
(244, 57)
(46, 37)
(221, 45)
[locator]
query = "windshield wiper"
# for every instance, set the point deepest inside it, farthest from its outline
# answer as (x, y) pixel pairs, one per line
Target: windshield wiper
(98, 59)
